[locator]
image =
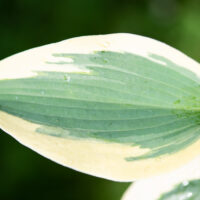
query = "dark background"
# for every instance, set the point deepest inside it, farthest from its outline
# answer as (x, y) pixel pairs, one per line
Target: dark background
(29, 23)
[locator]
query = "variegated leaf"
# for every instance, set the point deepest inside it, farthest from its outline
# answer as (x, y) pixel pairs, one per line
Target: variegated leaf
(118, 106)
(188, 190)
(181, 184)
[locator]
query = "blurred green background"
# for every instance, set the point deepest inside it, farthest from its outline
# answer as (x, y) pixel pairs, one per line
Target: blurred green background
(30, 23)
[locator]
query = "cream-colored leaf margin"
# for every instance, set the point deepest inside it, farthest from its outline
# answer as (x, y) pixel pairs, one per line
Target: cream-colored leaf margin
(24, 64)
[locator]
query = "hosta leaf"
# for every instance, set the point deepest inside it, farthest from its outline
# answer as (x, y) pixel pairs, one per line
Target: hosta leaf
(181, 184)
(119, 106)
(188, 190)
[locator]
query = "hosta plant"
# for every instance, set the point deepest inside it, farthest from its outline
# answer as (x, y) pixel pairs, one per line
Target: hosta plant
(120, 106)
